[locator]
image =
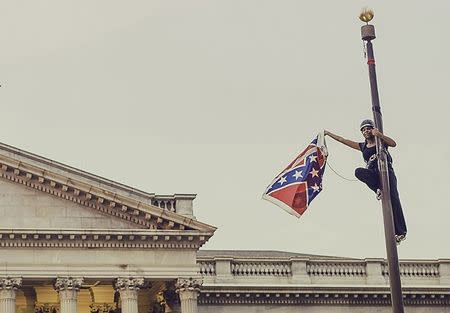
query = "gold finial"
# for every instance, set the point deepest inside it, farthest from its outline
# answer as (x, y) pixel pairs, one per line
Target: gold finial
(366, 15)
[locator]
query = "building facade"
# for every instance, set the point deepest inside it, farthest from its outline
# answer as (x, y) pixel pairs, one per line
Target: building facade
(257, 281)
(73, 242)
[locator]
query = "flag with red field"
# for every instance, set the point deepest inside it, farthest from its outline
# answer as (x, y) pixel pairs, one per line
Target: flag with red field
(301, 181)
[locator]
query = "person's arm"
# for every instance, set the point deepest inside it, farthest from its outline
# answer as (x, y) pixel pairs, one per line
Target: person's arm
(347, 142)
(387, 140)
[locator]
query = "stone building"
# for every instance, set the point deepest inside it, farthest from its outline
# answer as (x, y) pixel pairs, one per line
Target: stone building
(73, 242)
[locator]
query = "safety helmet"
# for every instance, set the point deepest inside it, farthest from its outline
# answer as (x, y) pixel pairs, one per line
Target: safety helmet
(366, 123)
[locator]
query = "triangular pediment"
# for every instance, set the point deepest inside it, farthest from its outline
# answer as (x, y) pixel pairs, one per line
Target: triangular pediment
(47, 194)
(25, 207)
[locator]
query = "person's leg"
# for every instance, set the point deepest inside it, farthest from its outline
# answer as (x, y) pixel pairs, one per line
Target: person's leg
(368, 176)
(399, 219)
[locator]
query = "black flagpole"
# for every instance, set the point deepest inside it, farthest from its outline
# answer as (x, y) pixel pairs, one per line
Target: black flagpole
(368, 34)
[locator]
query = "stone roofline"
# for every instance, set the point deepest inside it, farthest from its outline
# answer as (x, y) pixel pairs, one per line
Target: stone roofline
(153, 212)
(69, 171)
(263, 254)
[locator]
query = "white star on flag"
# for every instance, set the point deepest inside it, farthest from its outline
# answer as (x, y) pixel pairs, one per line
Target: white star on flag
(315, 188)
(313, 158)
(297, 174)
(314, 172)
(282, 180)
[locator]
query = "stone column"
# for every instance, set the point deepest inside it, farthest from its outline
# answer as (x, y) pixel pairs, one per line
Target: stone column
(187, 289)
(128, 289)
(67, 288)
(8, 288)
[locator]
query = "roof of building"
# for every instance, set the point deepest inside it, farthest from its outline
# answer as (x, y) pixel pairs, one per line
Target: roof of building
(261, 254)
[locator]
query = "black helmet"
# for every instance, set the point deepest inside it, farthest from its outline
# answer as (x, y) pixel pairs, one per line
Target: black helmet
(366, 123)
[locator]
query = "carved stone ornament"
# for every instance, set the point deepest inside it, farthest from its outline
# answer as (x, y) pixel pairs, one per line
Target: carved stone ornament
(104, 239)
(46, 308)
(102, 307)
(320, 297)
(130, 283)
(190, 284)
(68, 283)
(10, 283)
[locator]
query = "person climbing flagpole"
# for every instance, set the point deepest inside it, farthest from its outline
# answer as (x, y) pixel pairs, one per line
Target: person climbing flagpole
(367, 35)
(300, 182)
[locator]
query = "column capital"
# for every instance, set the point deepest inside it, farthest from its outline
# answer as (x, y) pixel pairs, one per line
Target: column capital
(188, 289)
(129, 283)
(128, 287)
(68, 283)
(10, 283)
(188, 284)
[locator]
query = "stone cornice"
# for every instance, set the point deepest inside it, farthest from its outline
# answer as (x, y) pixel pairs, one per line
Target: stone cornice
(107, 202)
(325, 295)
(107, 238)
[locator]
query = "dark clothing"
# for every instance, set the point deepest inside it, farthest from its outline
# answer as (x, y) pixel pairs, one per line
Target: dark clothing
(371, 153)
(371, 176)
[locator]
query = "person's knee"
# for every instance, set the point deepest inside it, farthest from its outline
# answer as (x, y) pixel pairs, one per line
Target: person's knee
(359, 173)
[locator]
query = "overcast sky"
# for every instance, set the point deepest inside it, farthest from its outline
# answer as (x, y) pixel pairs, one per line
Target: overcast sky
(216, 97)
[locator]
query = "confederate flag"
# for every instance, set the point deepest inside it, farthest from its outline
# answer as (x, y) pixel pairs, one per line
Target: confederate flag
(301, 181)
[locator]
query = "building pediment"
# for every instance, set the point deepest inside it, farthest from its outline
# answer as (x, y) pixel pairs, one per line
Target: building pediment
(136, 209)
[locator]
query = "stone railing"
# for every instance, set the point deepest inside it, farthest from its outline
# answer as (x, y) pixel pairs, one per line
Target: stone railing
(207, 268)
(310, 271)
(341, 269)
(414, 269)
(179, 203)
(165, 202)
(251, 268)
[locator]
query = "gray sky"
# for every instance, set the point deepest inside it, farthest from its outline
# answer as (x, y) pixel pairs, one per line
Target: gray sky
(216, 97)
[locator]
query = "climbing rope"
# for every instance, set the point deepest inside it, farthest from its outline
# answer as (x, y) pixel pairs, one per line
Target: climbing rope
(328, 164)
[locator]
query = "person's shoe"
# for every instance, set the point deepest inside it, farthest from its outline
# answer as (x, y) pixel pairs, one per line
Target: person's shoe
(400, 238)
(378, 194)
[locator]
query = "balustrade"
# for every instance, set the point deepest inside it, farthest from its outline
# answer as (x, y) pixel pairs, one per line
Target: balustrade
(346, 269)
(323, 269)
(261, 268)
(207, 268)
(166, 204)
(415, 270)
